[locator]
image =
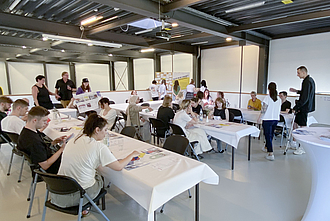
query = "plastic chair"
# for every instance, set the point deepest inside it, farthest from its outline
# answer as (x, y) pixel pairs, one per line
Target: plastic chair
(158, 125)
(175, 107)
(112, 102)
(114, 123)
(14, 141)
(129, 131)
(145, 105)
(63, 185)
(282, 127)
(177, 130)
(177, 144)
(238, 116)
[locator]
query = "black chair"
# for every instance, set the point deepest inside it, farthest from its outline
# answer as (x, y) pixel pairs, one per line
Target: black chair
(57, 105)
(238, 116)
(124, 115)
(114, 123)
(129, 131)
(282, 127)
(112, 102)
(177, 144)
(158, 129)
(145, 105)
(175, 107)
(14, 141)
(177, 130)
(63, 185)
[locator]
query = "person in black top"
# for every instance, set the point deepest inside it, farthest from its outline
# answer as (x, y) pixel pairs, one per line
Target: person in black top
(306, 102)
(64, 88)
(40, 93)
(5, 103)
(33, 142)
(165, 113)
(195, 106)
(286, 105)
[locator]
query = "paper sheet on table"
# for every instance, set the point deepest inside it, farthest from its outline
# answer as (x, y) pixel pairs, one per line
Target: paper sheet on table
(165, 163)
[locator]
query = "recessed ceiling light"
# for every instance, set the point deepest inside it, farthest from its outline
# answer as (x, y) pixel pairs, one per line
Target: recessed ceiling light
(96, 10)
(147, 50)
(116, 9)
(23, 46)
(90, 44)
(175, 24)
(63, 50)
(44, 39)
(254, 5)
(110, 55)
(229, 39)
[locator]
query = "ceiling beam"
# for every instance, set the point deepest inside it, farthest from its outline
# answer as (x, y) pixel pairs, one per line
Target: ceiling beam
(282, 21)
(180, 4)
(115, 24)
(8, 40)
(180, 39)
(226, 44)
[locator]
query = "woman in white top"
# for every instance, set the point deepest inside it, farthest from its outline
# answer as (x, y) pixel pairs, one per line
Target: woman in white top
(162, 90)
(154, 90)
(107, 113)
(270, 115)
(183, 120)
(82, 156)
(207, 99)
(190, 90)
(203, 87)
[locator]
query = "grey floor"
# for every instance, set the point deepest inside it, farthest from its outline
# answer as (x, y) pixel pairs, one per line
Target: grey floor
(255, 190)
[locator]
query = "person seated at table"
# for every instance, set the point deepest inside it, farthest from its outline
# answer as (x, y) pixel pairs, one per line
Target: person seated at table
(5, 103)
(33, 142)
(134, 119)
(82, 156)
(286, 105)
(222, 96)
(254, 102)
(13, 123)
(207, 99)
(134, 93)
(107, 112)
(186, 122)
(84, 87)
(195, 106)
(179, 98)
(165, 113)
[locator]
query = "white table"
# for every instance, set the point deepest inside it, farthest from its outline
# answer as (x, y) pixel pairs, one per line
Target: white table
(319, 153)
(73, 112)
(229, 132)
(149, 187)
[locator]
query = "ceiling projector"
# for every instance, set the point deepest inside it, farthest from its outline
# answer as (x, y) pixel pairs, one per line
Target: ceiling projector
(163, 34)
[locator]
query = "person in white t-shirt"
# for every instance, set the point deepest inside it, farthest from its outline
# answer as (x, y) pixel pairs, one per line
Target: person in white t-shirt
(190, 90)
(107, 113)
(162, 90)
(154, 90)
(82, 156)
(270, 115)
(13, 123)
(183, 120)
(203, 86)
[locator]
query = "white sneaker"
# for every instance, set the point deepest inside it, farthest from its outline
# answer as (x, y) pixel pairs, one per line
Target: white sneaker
(299, 151)
(264, 149)
(270, 157)
(293, 145)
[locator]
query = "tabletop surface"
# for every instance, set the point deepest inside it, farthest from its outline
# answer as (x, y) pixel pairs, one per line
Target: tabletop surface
(315, 135)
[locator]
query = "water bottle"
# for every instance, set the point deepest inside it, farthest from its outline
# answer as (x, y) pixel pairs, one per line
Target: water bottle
(201, 115)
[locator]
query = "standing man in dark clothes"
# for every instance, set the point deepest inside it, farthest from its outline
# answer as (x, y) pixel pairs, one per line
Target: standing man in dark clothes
(306, 102)
(5, 103)
(32, 142)
(64, 88)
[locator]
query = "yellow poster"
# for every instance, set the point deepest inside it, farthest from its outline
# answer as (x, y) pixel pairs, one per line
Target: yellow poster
(183, 78)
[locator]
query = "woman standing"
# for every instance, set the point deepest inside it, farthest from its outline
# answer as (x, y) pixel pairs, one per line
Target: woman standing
(84, 87)
(154, 90)
(162, 90)
(107, 113)
(175, 90)
(190, 90)
(270, 115)
(40, 93)
(183, 120)
(134, 119)
(203, 87)
(82, 156)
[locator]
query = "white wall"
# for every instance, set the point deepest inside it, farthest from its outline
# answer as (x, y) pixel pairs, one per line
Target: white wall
(166, 63)
(182, 62)
(287, 54)
(22, 76)
(3, 78)
(143, 73)
(97, 74)
(54, 72)
(221, 68)
(121, 73)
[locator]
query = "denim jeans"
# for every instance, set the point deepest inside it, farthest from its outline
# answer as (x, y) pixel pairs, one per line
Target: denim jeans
(269, 128)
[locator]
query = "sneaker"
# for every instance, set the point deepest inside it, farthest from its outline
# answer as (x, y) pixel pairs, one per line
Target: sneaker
(270, 157)
(264, 149)
(299, 151)
(293, 145)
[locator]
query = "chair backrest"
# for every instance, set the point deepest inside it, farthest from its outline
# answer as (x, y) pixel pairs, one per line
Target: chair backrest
(112, 102)
(59, 184)
(114, 123)
(58, 106)
(13, 136)
(177, 144)
(124, 115)
(157, 123)
(145, 105)
(236, 112)
(281, 118)
(176, 129)
(128, 131)
(175, 107)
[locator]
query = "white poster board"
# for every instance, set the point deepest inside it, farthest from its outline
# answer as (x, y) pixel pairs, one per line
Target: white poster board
(87, 101)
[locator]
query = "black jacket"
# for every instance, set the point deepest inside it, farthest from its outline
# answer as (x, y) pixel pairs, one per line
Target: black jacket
(306, 102)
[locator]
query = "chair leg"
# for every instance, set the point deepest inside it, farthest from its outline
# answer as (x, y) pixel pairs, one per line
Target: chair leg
(29, 196)
(282, 137)
(20, 173)
(10, 162)
(103, 203)
(96, 207)
(226, 147)
(189, 193)
(32, 195)
(193, 150)
(44, 211)
(162, 209)
(81, 201)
